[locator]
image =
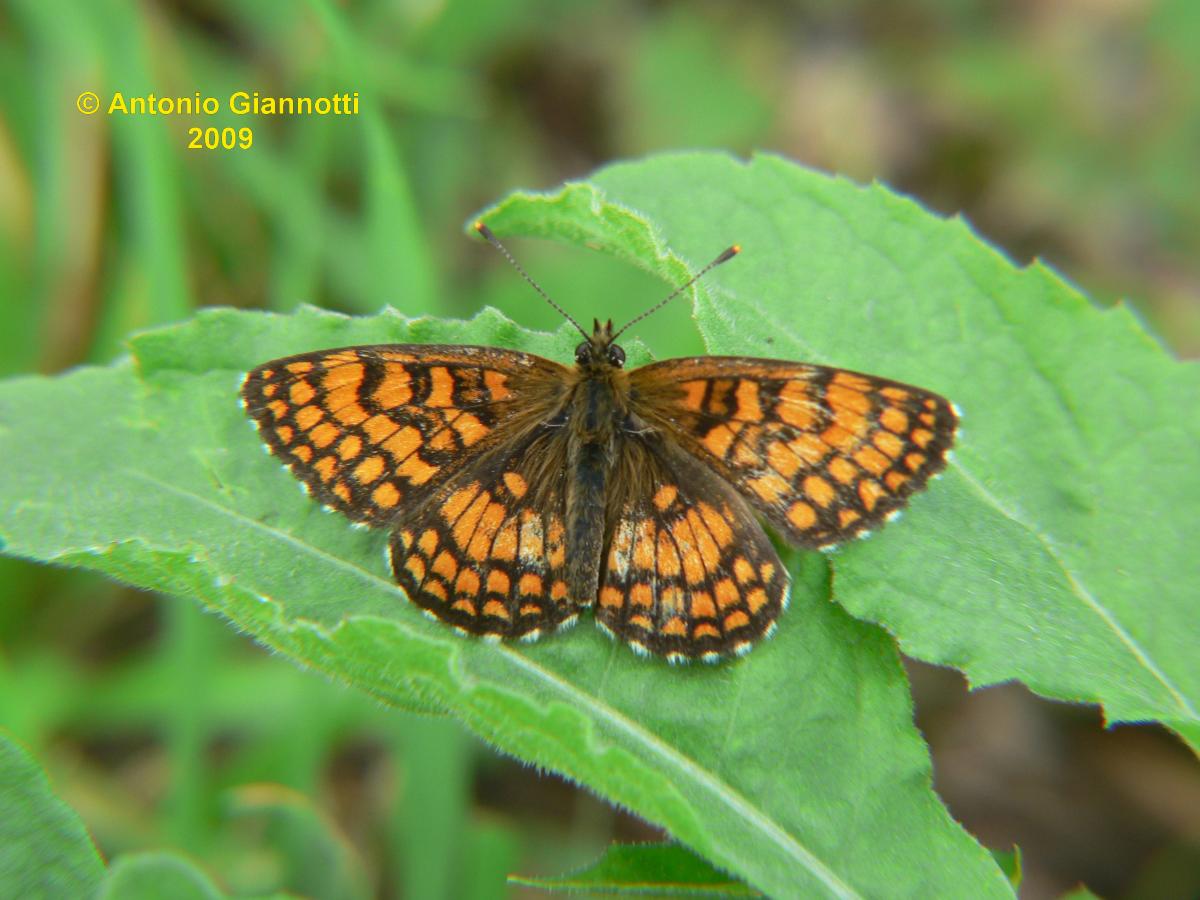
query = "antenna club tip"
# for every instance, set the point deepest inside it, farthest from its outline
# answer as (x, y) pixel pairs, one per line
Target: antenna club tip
(479, 226)
(735, 249)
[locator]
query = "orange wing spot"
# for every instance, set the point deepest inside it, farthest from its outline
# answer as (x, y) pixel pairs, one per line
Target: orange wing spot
(498, 582)
(852, 381)
(927, 418)
(693, 395)
(810, 448)
(497, 385)
(435, 589)
(268, 374)
(710, 553)
(416, 470)
(324, 435)
(671, 598)
(531, 609)
(558, 590)
(557, 554)
(350, 414)
(342, 492)
(767, 572)
(668, 558)
(369, 470)
(477, 540)
(782, 460)
(325, 467)
(505, 545)
(845, 398)
(343, 375)
(441, 387)
(703, 606)
(869, 492)
(299, 368)
(914, 461)
(302, 452)
(872, 460)
(930, 403)
(379, 428)
(517, 486)
(727, 592)
(497, 609)
(643, 546)
(284, 433)
(403, 443)
(894, 393)
(470, 430)
(385, 495)
(693, 566)
(641, 622)
(457, 503)
(341, 396)
(465, 605)
(888, 443)
(406, 537)
(530, 584)
(921, 437)
(428, 542)
(802, 515)
(819, 490)
(394, 389)
(675, 627)
(611, 598)
(705, 629)
(843, 470)
(848, 517)
(268, 390)
(641, 595)
(717, 524)
(894, 420)
(278, 408)
(416, 568)
(795, 406)
(665, 496)
(467, 583)
(756, 600)
(749, 408)
(301, 393)
(838, 437)
(718, 439)
(743, 571)
(736, 619)
(894, 480)
(532, 543)
(350, 447)
(443, 439)
(770, 487)
(446, 565)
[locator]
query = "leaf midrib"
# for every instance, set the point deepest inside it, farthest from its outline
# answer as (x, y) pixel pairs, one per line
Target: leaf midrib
(671, 756)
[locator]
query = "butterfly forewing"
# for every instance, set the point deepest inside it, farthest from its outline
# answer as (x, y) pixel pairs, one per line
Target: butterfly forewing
(371, 431)
(822, 453)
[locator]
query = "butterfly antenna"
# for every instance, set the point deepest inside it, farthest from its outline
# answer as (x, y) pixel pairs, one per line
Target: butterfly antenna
(495, 242)
(725, 256)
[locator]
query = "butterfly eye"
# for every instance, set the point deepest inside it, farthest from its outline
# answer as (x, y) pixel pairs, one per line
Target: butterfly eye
(616, 355)
(583, 353)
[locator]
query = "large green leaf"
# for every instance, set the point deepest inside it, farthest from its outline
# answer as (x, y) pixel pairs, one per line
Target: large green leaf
(44, 849)
(1055, 549)
(798, 767)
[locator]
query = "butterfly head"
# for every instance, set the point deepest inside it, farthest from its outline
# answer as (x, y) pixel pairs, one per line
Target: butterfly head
(599, 351)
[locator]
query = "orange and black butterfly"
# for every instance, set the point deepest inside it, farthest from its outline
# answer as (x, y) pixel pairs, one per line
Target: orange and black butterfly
(519, 491)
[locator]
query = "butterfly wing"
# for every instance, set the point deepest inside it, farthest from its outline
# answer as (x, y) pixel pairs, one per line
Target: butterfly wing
(487, 552)
(689, 572)
(372, 431)
(822, 453)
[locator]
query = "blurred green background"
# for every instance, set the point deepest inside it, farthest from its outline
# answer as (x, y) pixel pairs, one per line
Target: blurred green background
(1066, 130)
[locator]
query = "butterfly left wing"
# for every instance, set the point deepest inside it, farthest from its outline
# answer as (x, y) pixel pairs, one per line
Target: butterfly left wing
(824, 454)
(373, 430)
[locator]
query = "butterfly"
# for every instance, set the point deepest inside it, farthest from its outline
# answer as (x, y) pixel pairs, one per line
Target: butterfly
(520, 492)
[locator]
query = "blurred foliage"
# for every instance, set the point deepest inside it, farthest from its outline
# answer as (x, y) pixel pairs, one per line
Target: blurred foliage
(1069, 130)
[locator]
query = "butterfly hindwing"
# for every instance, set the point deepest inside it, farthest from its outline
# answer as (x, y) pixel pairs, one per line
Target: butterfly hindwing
(374, 430)
(689, 572)
(822, 453)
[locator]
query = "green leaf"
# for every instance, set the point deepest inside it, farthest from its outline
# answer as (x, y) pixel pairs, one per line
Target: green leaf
(797, 768)
(45, 851)
(1053, 549)
(666, 870)
(151, 876)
